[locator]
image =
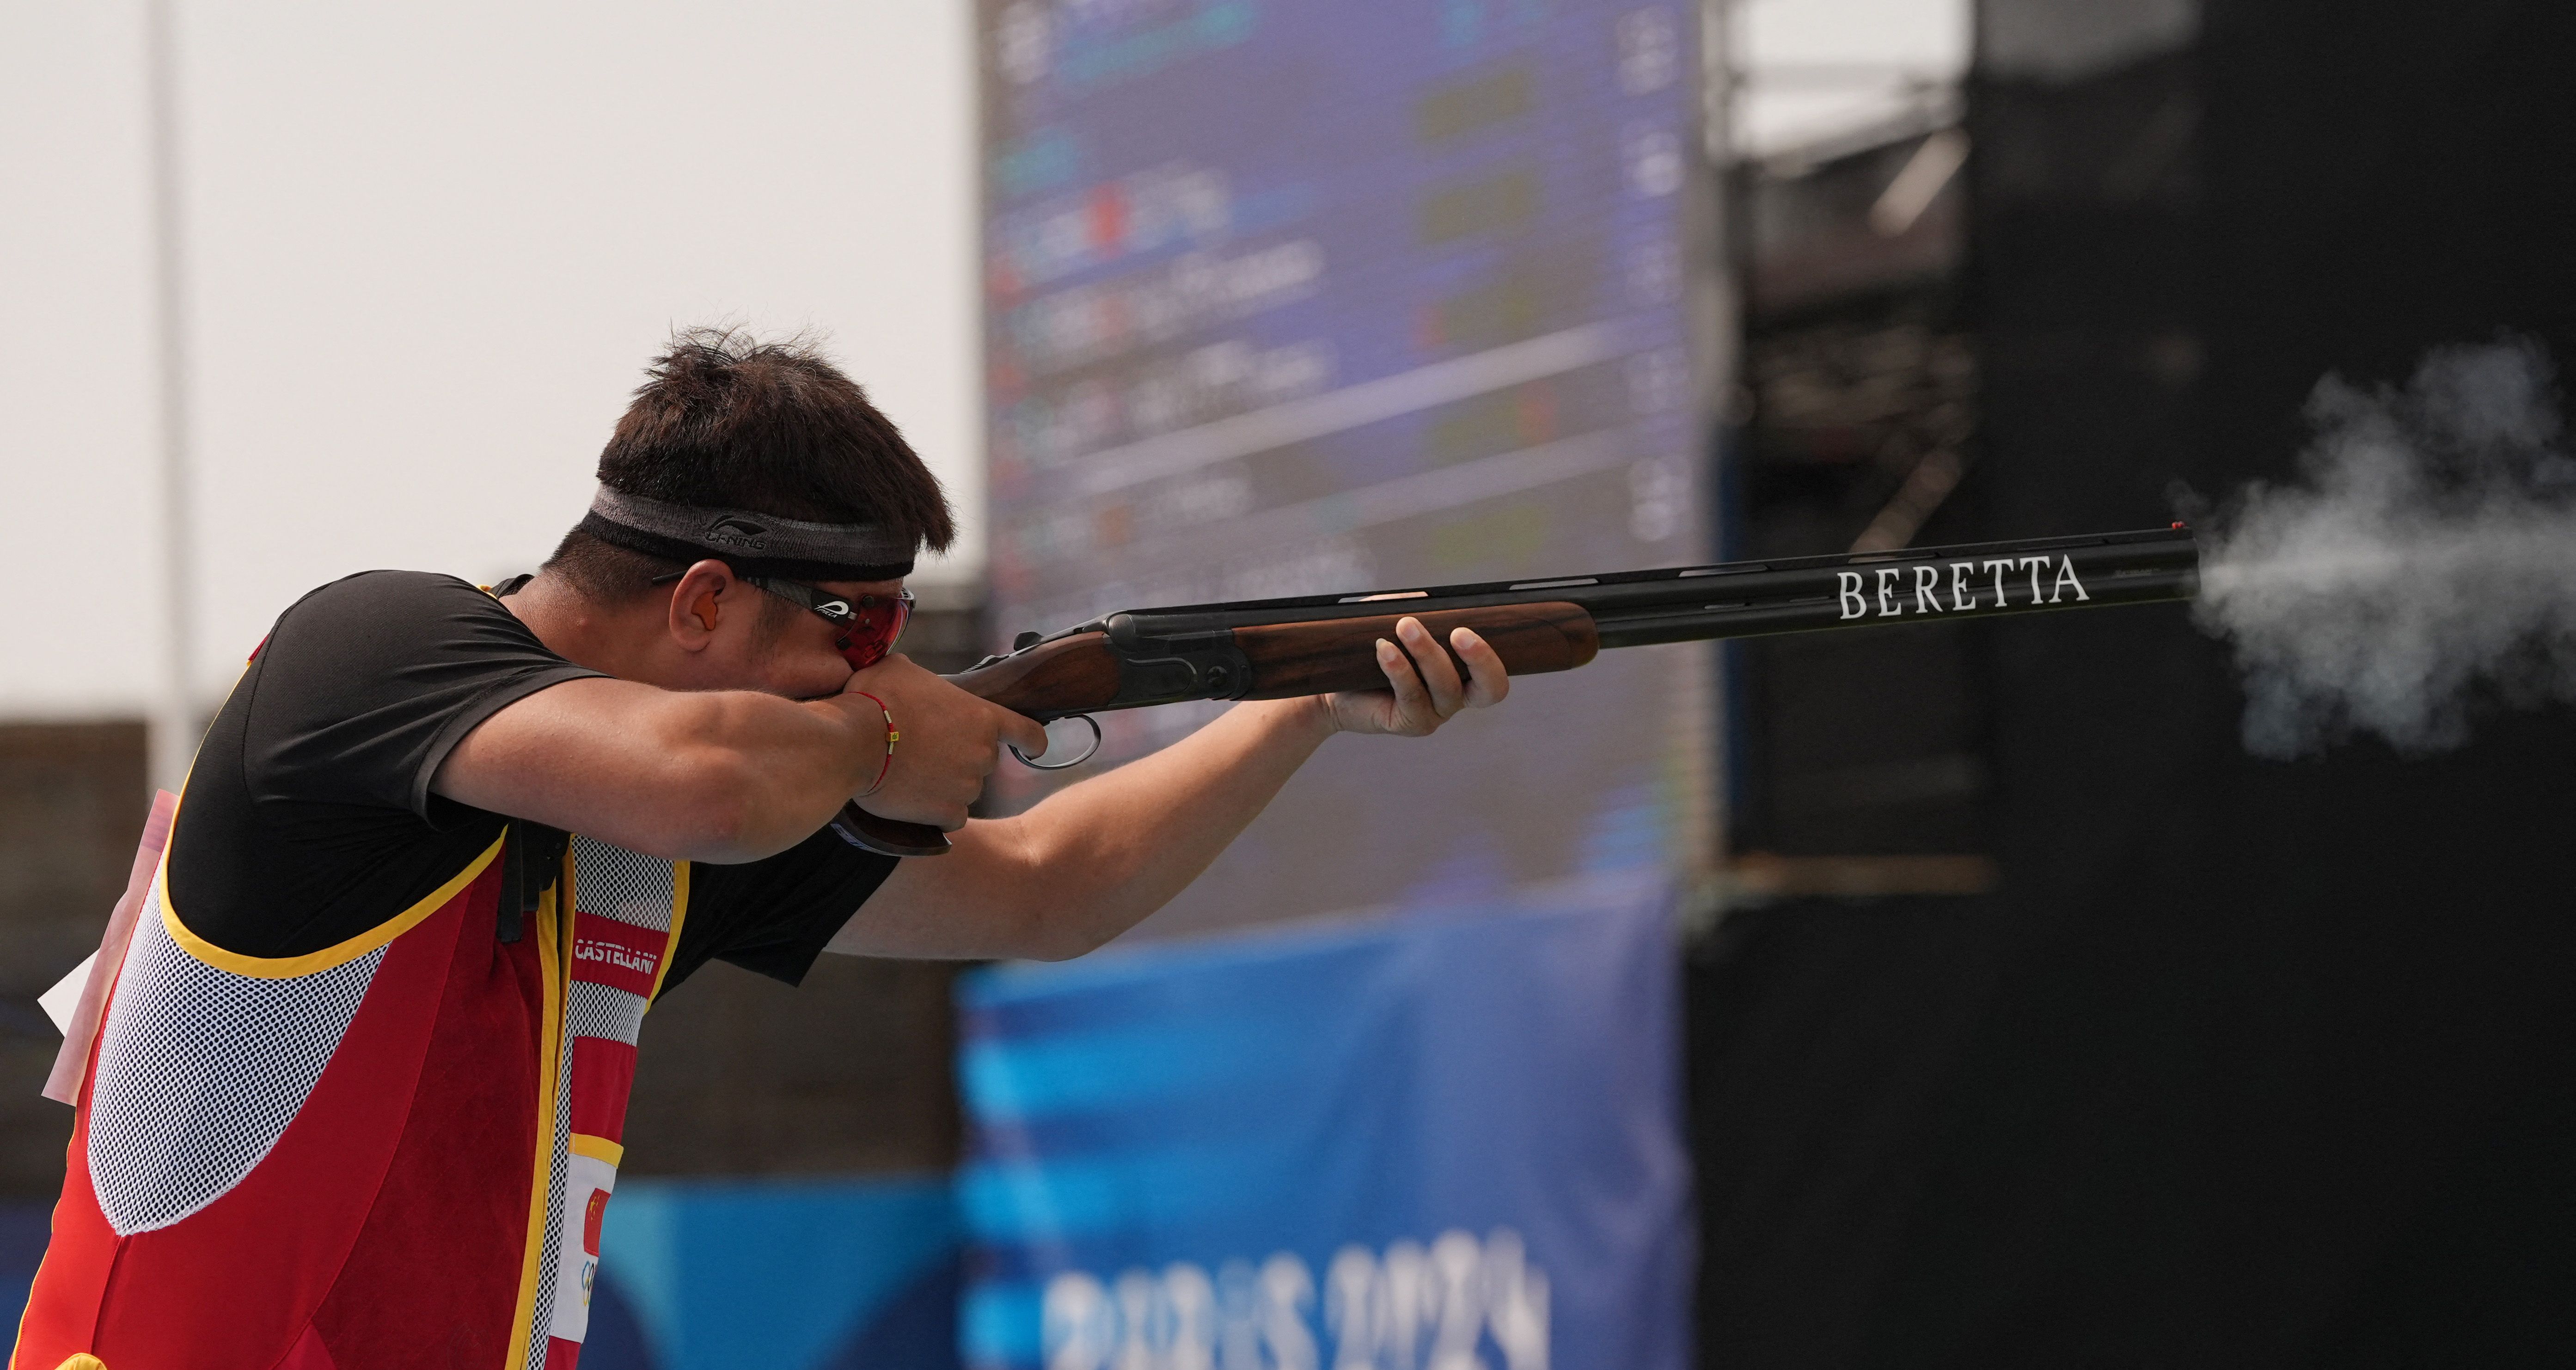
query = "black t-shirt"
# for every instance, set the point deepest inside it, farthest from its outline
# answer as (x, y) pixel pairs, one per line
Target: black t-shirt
(308, 817)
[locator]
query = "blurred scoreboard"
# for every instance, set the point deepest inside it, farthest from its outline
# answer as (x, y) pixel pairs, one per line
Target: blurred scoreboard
(1341, 295)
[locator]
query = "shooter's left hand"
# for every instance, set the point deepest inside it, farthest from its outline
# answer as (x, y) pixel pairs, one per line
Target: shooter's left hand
(1423, 689)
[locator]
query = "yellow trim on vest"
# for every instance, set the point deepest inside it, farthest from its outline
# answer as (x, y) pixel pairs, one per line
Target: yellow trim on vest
(288, 967)
(82, 1360)
(550, 960)
(598, 1149)
(671, 945)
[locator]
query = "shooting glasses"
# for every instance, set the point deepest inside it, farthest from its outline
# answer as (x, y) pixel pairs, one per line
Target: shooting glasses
(864, 629)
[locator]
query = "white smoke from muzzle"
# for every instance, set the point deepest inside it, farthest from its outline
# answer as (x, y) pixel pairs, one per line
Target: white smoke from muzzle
(2427, 561)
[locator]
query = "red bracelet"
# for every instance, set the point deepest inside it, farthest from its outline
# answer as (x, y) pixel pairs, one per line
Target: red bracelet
(892, 737)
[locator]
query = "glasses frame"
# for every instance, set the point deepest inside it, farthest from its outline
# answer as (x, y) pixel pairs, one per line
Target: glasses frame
(845, 614)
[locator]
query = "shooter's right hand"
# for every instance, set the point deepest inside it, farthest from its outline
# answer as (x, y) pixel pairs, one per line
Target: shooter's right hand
(948, 742)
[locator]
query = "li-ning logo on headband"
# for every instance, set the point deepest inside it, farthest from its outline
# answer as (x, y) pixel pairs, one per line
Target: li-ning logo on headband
(733, 530)
(748, 531)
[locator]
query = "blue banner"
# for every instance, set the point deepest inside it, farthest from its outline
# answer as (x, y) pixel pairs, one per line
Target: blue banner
(800, 1274)
(1436, 1142)
(25, 1227)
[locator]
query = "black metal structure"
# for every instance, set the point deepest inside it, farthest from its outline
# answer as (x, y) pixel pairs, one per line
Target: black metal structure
(2247, 1062)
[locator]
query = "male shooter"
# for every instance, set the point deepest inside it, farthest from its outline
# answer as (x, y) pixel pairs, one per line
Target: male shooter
(359, 1096)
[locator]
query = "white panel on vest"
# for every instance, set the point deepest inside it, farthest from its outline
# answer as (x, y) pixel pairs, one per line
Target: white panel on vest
(200, 1071)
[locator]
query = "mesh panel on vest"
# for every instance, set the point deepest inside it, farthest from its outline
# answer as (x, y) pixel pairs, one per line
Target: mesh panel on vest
(612, 882)
(604, 1011)
(200, 1071)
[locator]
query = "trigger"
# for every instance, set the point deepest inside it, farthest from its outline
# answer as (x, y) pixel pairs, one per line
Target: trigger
(1088, 752)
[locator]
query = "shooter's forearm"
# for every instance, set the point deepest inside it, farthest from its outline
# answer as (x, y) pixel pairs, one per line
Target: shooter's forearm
(1119, 846)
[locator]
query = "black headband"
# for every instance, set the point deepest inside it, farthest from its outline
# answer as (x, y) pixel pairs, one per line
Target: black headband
(753, 544)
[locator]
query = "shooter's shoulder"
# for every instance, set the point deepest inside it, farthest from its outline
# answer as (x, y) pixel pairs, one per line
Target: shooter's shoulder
(382, 618)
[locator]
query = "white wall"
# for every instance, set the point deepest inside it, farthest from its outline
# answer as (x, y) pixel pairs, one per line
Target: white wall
(1815, 69)
(76, 420)
(429, 249)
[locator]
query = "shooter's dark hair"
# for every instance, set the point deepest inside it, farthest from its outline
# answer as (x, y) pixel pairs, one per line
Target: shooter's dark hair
(727, 419)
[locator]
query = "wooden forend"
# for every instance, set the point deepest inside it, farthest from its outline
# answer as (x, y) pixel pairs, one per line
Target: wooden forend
(1324, 655)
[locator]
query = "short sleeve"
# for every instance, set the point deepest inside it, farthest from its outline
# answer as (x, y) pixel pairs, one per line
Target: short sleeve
(307, 818)
(368, 683)
(775, 915)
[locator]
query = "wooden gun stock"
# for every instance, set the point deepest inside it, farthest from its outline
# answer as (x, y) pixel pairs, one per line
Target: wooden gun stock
(887, 836)
(1081, 673)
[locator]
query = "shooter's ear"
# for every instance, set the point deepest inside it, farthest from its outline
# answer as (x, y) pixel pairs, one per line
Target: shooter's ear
(697, 604)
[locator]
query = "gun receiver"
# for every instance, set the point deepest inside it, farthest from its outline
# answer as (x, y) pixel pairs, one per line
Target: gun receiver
(1280, 648)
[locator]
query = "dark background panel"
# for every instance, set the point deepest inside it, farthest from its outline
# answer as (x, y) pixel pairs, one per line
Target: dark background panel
(2269, 1062)
(72, 805)
(1861, 382)
(1821, 1034)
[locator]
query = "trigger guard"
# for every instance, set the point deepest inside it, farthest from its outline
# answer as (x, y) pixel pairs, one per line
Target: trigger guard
(1088, 753)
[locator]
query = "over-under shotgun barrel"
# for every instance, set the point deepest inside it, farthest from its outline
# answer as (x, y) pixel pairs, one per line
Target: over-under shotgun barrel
(1277, 648)
(1782, 595)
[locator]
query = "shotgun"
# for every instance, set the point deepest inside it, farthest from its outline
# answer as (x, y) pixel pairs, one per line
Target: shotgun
(1316, 644)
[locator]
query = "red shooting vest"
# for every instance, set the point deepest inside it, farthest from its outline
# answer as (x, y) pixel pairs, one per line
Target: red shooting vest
(381, 1154)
